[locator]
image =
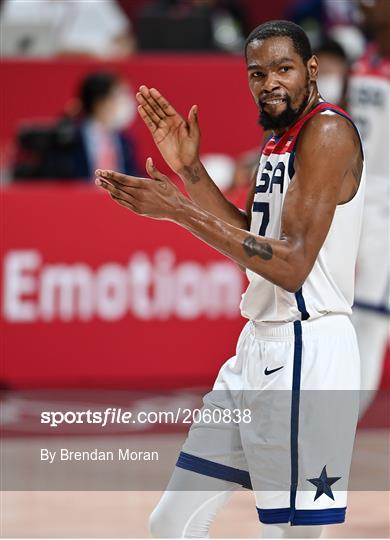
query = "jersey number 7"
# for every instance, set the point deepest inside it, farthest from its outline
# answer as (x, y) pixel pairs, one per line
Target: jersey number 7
(264, 208)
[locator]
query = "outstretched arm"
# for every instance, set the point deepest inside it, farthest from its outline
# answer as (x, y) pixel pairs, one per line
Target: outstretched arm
(178, 141)
(327, 153)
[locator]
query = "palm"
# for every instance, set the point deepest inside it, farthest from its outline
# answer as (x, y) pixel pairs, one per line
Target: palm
(177, 142)
(174, 142)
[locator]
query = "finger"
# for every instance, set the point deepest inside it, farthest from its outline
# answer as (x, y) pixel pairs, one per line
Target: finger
(123, 179)
(163, 103)
(124, 203)
(145, 117)
(154, 117)
(122, 195)
(193, 120)
(101, 183)
(112, 190)
(143, 92)
(131, 196)
(144, 97)
(116, 187)
(153, 172)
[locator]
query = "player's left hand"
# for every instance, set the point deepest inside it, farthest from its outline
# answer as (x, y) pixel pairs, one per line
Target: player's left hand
(156, 197)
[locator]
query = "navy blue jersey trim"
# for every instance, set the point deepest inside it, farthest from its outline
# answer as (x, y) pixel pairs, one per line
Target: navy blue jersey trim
(294, 424)
(290, 166)
(216, 470)
(372, 307)
(325, 516)
(301, 305)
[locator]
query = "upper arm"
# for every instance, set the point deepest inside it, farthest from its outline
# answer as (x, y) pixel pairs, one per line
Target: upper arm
(324, 156)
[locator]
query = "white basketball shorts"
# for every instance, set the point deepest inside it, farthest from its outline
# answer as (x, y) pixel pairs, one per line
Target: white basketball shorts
(281, 419)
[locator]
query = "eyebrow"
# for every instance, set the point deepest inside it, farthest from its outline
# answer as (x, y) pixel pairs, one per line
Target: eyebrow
(274, 63)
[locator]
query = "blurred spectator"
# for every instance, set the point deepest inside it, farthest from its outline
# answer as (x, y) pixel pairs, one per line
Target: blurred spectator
(335, 18)
(197, 25)
(108, 108)
(220, 167)
(333, 72)
(233, 177)
(369, 105)
(75, 147)
(324, 12)
(44, 28)
(242, 177)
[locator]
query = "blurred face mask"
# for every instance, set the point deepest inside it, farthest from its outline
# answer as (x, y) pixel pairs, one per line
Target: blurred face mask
(124, 111)
(331, 87)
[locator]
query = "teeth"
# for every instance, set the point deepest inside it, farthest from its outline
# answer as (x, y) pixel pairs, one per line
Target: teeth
(275, 101)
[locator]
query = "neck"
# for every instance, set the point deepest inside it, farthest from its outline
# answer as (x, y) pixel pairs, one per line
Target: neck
(314, 99)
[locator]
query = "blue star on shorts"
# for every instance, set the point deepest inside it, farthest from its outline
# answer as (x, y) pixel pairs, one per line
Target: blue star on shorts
(323, 484)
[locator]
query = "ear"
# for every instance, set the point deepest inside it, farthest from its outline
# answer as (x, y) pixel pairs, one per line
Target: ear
(312, 66)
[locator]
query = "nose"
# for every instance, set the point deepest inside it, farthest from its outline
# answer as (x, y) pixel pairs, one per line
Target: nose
(270, 83)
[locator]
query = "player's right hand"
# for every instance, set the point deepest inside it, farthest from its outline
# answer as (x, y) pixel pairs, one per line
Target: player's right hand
(176, 138)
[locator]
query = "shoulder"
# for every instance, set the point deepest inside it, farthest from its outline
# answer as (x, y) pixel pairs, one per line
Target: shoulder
(327, 123)
(328, 130)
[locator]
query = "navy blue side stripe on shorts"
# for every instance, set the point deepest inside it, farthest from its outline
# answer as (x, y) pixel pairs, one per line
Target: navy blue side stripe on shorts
(296, 387)
(216, 470)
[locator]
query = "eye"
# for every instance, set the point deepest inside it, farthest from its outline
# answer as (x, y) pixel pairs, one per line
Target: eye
(257, 74)
(285, 69)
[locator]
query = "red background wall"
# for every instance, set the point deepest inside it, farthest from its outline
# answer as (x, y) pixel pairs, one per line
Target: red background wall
(77, 224)
(68, 225)
(80, 225)
(217, 84)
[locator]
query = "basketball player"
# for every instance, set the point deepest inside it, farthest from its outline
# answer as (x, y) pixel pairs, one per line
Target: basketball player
(369, 104)
(298, 242)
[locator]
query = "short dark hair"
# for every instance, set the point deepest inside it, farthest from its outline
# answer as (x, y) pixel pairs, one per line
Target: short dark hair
(331, 47)
(272, 29)
(96, 87)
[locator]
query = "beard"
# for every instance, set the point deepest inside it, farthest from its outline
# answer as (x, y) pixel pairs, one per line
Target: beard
(286, 118)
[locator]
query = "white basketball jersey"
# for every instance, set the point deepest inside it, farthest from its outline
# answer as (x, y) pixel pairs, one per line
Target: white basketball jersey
(369, 103)
(369, 106)
(329, 287)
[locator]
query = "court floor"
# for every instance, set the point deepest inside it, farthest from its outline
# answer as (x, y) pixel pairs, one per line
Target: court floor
(124, 514)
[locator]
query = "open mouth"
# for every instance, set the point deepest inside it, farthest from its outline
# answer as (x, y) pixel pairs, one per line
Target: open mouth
(275, 101)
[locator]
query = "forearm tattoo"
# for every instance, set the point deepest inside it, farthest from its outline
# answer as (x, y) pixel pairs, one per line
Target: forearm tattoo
(162, 184)
(252, 247)
(192, 174)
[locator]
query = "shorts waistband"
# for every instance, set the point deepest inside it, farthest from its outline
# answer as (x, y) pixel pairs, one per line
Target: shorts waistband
(286, 330)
